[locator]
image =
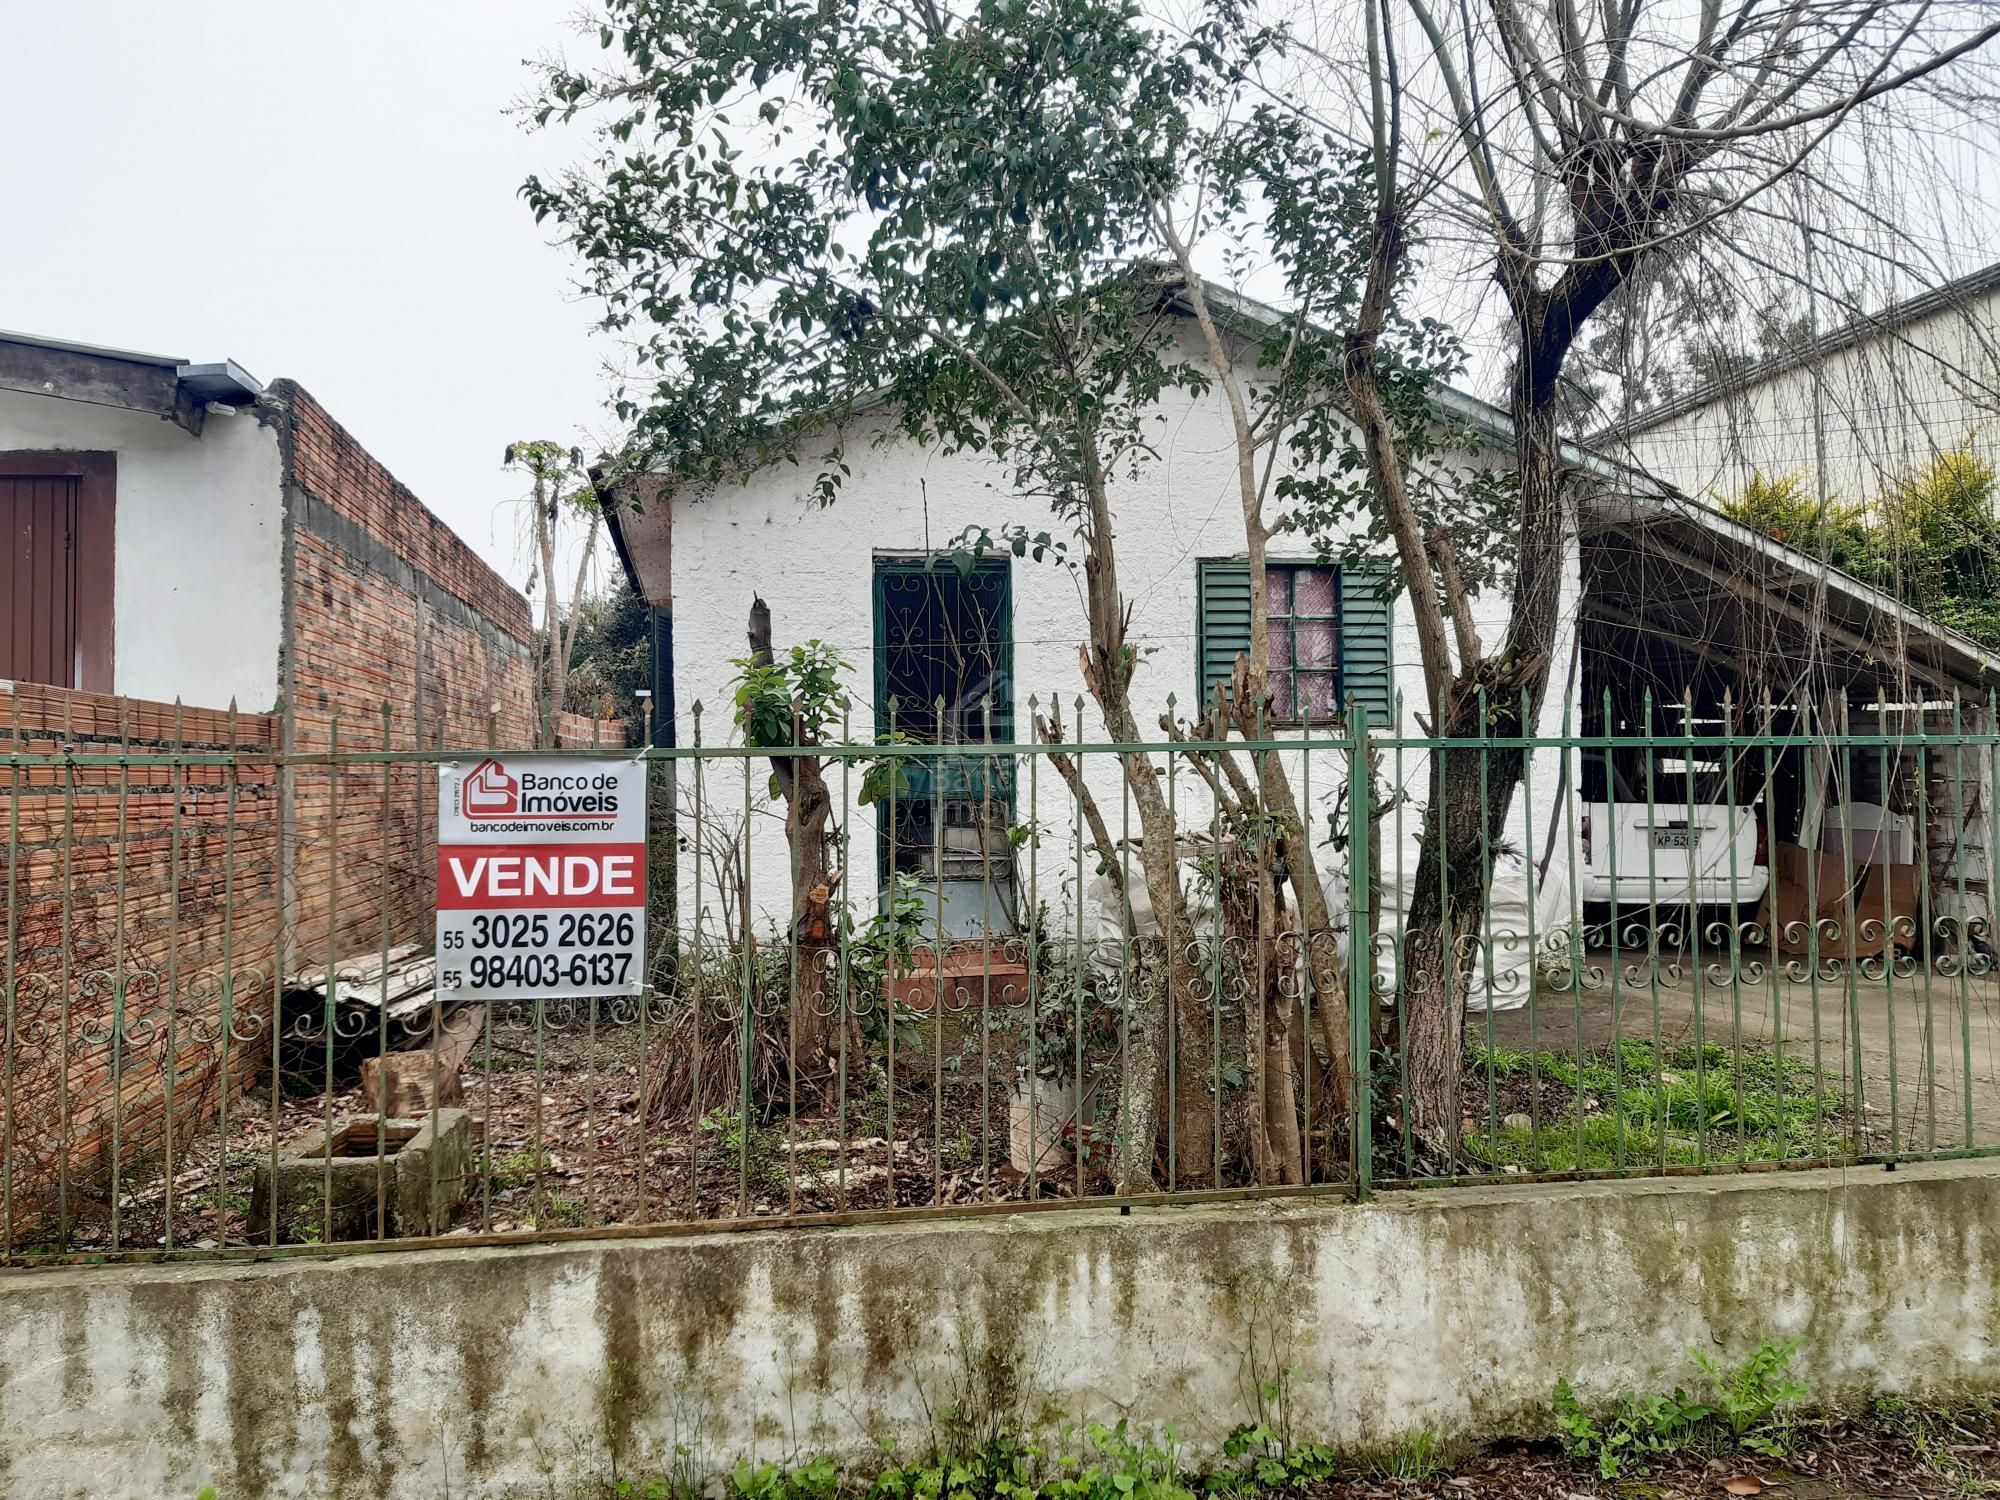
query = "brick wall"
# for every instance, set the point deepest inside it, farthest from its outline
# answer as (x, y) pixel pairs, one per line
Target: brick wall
(133, 881)
(400, 637)
(581, 732)
(397, 637)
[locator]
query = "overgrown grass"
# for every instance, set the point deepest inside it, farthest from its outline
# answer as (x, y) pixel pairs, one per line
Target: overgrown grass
(521, 1168)
(1636, 1105)
(1743, 1407)
(762, 1158)
(519, 1172)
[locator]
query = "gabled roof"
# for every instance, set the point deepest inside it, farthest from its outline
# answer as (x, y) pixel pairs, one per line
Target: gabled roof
(1953, 294)
(1622, 496)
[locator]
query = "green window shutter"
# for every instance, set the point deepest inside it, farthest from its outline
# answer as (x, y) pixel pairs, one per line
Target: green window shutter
(1367, 645)
(1222, 620)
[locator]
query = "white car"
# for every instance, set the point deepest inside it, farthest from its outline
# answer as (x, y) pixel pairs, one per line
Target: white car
(1687, 846)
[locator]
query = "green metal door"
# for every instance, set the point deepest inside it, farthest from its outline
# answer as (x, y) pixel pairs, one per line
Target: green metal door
(944, 675)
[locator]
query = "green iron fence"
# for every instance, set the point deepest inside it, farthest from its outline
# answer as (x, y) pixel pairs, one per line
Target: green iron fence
(1710, 941)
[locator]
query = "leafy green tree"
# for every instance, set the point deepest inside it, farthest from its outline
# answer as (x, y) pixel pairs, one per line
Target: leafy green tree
(1787, 510)
(805, 212)
(612, 658)
(1932, 538)
(1937, 541)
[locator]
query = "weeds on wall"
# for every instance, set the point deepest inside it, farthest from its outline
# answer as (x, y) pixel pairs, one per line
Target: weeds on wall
(1099, 1463)
(1734, 1422)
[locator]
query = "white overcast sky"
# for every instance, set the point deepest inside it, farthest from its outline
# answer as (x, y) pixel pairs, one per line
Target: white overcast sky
(320, 191)
(328, 191)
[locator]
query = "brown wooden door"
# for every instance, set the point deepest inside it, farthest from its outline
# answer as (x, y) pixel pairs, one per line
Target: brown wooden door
(38, 578)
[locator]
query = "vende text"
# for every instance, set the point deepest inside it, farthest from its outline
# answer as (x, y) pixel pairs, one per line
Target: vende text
(487, 876)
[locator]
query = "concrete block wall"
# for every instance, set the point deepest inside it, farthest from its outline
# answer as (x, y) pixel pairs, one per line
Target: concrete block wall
(554, 1369)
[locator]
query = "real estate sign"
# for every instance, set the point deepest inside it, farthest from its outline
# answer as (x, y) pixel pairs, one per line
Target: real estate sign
(541, 882)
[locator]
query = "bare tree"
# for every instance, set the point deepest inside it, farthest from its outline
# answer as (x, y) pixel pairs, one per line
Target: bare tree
(1590, 141)
(562, 495)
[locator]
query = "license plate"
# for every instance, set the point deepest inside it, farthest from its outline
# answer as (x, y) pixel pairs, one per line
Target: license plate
(1676, 838)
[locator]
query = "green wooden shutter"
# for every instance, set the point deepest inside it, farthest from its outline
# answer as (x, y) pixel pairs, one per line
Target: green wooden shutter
(1367, 625)
(1222, 620)
(1367, 639)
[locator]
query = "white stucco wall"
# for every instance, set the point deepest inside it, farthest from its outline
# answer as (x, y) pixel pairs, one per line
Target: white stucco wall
(1861, 417)
(198, 565)
(814, 568)
(520, 1372)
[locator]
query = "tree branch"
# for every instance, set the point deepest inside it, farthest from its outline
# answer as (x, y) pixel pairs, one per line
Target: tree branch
(1065, 766)
(1459, 600)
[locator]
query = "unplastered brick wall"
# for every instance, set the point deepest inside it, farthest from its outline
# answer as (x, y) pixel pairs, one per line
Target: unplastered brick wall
(399, 637)
(131, 892)
(581, 732)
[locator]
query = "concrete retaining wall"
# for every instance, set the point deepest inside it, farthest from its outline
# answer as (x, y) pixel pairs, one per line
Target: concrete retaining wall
(534, 1371)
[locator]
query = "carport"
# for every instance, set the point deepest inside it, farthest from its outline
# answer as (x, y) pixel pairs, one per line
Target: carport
(1695, 627)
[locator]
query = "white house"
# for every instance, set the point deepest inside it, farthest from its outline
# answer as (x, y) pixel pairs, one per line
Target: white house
(1642, 608)
(144, 501)
(181, 531)
(867, 576)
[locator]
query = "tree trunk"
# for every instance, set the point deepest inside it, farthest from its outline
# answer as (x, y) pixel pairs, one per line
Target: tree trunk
(1250, 694)
(808, 817)
(1281, 1103)
(1439, 948)
(813, 931)
(1108, 663)
(1144, 1075)
(545, 545)
(1323, 967)
(1445, 928)
(1278, 1123)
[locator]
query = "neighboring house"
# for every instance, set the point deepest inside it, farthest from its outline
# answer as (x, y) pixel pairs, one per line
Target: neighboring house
(1662, 594)
(1856, 408)
(193, 560)
(181, 531)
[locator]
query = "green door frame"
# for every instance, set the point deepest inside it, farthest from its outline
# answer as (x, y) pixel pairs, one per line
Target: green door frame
(953, 768)
(948, 777)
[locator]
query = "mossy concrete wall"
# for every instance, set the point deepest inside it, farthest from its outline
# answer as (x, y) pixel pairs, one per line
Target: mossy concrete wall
(535, 1371)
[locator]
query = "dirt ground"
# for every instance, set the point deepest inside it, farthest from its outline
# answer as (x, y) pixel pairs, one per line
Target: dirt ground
(562, 1142)
(1893, 1451)
(1860, 1461)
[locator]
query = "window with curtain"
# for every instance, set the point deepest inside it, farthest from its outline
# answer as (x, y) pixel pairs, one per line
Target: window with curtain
(1304, 656)
(1330, 628)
